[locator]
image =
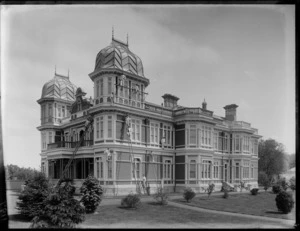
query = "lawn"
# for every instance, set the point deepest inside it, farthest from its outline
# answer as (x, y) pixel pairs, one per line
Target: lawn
(151, 215)
(263, 204)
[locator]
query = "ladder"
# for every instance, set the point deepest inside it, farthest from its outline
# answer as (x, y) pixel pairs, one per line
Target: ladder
(88, 124)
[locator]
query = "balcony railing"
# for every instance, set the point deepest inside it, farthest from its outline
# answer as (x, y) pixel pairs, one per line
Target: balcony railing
(192, 111)
(69, 144)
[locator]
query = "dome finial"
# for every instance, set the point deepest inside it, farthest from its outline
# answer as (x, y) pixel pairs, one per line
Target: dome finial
(113, 32)
(68, 72)
(127, 39)
(55, 69)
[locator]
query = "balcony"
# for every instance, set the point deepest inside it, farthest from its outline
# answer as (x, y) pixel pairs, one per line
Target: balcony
(69, 144)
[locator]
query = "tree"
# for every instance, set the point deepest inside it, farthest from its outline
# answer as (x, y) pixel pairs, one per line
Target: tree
(264, 180)
(31, 198)
(14, 171)
(272, 158)
(292, 161)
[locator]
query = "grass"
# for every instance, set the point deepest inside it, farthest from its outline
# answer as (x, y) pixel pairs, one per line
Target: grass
(262, 204)
(151, 215)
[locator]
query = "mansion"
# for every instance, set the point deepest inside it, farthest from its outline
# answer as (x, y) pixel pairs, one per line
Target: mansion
(131, 140)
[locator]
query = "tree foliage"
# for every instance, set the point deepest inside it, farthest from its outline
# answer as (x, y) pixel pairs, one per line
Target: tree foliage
(31, 198)
(272, 158)
(264, 180)
(60, 208)
(20, 173)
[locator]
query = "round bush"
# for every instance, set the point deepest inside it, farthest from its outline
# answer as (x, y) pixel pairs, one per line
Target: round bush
(131, 201)
(188, 194)
(284, 202)
(254, 191)
(91, 194)
(226, 194)
(276, 189)
(161, 197)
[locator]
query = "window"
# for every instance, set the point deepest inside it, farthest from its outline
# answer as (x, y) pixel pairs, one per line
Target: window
(136, 130)
(97, 88)
(136, 168)
(167, 134)
(193, 132)
(168, 170)
(109, 169)
(63, 112)
(237, 142)
(44, 141)
(101, 87)
(101, 127)
(246, 143)
(206, 136)
(50, 113)
(43, 113)
(109, 127)
(216, 170)
(246, 169)
(237, 171)
(154, 132)
(99, 167)
(252, 171)
(206, 169)
(97, 128)
(59, 111)
(126, 89)
(216, 140)
(109, 87)
(50, 138)
(192, 169)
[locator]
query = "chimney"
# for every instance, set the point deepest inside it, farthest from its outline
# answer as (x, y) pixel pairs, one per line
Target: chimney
(170, 101)
(230, 112)
(204, 104)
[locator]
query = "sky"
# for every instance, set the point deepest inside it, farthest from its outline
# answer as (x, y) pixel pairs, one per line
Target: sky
(242, 54)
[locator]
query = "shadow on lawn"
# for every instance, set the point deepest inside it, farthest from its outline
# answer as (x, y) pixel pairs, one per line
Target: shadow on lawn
(274, 212)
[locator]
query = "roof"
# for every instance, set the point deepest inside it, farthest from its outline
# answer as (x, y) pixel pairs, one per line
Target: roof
(59, 87)
(117, 55)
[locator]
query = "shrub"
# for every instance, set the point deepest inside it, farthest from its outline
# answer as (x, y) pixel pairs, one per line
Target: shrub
(284, 202)
(293, 183)
(283, 183)
(188, 194)
(226, 194)
(276, 189)
(210, 189)
(254, 191)
(161, 197)
(91, 194)
(3, 211)
(60, 209)
(131, 201)
(31, 198)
